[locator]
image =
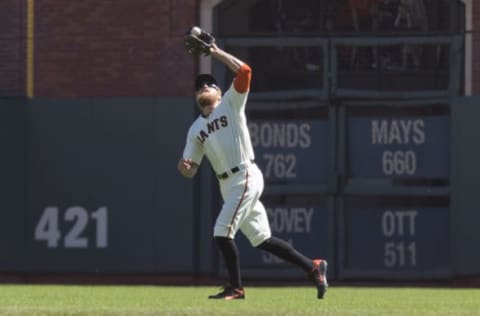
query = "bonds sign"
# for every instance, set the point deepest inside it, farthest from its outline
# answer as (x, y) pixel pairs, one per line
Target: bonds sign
(291, 151)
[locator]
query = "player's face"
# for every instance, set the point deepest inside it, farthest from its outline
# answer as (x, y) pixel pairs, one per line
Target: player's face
(208, 97)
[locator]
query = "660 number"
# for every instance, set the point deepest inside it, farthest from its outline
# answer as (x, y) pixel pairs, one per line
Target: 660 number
(399, 162)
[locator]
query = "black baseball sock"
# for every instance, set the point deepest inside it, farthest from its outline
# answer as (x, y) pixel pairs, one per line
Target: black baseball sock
(230, 253)
(285, 251)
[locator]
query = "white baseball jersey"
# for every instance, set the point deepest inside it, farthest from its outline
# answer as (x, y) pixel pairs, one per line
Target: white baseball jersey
(223, 137)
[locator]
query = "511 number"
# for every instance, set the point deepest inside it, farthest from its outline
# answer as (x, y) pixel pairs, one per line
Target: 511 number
(400, 254)
(47, 228)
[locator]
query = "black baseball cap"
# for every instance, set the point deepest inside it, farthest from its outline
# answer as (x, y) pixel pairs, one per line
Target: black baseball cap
(204, 79)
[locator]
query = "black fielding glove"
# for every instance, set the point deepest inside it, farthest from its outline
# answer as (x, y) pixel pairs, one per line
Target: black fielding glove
(197, 41)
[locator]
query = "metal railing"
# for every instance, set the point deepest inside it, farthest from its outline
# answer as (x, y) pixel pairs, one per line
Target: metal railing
(326, 77)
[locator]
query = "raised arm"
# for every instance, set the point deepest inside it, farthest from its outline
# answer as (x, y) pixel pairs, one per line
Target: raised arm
(232, 62)
(241, 69)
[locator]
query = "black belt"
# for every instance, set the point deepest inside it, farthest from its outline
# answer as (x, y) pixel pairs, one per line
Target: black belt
(236, 169)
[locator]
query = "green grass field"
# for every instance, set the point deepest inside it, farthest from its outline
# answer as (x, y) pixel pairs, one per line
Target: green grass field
(170, 300)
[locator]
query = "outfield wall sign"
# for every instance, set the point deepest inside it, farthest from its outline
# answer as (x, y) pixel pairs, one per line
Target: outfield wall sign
(400, 147)
(291, 151)
(303, 226)
(413, 240)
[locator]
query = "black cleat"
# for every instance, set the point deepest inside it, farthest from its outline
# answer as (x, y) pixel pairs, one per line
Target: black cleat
(319, 276)
(229, 293)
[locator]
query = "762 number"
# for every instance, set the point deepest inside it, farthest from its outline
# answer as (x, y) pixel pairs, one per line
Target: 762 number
(280, 166)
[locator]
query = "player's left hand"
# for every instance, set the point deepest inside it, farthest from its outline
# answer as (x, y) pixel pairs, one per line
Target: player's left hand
(187, 167)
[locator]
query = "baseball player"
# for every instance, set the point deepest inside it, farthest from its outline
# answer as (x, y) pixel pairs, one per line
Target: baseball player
(220, 133)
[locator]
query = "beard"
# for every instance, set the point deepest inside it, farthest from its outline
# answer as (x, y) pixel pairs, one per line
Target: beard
(205, 100)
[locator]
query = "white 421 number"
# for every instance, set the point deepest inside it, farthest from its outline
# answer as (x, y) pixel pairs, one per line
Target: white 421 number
(47, 228)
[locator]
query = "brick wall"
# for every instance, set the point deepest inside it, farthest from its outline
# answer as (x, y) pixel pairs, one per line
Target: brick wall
(113, 48)
(12, 48)
(476, 48)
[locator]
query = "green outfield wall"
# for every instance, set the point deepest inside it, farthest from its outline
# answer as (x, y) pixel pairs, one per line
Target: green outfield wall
(90, 185)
